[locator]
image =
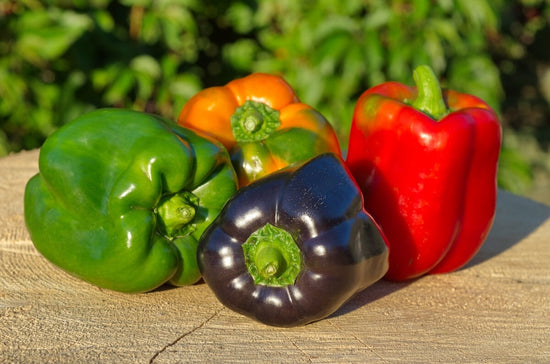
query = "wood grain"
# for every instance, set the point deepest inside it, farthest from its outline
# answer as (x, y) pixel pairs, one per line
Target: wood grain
(495, 310)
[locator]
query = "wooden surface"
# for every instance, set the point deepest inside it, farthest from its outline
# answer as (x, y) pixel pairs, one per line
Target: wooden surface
(496, 310)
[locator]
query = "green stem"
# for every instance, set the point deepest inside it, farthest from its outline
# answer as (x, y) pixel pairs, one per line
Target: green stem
(272, 256)
(270, 261)
(176, 214)
(254, 121)
(430, 98)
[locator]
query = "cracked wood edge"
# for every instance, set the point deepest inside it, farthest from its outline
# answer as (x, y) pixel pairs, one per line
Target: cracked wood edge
(182, 336)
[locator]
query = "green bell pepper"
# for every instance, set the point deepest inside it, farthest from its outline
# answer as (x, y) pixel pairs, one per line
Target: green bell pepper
(122, 198)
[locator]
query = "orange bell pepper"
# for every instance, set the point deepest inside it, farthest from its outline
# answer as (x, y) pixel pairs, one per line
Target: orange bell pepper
(262, 123)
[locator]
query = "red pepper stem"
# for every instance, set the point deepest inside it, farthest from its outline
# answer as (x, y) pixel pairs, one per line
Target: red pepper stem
(429, 99)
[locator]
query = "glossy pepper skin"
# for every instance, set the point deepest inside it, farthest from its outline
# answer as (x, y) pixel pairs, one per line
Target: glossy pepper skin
(426, 161)
(262, 123)
(292, 247)
(122, 197)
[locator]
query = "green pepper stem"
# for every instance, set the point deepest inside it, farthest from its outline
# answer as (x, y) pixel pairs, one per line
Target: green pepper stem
(272, 256)
(254, 121)
(429, 98)
(176, 213)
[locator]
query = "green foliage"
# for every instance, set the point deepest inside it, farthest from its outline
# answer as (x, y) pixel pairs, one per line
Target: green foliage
(60, 58)
(514, 173)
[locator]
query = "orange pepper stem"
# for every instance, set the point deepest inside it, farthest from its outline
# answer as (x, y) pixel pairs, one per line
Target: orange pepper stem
(430, 98)
(254, 121)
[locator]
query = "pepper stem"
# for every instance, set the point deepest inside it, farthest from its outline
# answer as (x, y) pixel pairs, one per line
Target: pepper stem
(254, 121)
(430, 98)
(272, 257)
(176, 213)
(270, 261)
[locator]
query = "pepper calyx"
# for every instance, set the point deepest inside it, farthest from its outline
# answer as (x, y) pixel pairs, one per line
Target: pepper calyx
(176, 214)
(429, 99)
(272, 257)
(254, 121)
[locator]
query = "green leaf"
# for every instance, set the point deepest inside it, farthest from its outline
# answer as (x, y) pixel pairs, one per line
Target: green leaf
(374, 56)
(333, 25)
(353, 69)
(331, 51)
(150, 28)
(104, 20)
(4, 145)
(50, 36)
(434, 48)
(241, 17)
(420, 10)
(448, 31)
(136, 2)
(378, 18)
(147, 65)
(477, 75)
(514, 172)
(181, 88)
(117, 91)
(240, 54)
(478, 12)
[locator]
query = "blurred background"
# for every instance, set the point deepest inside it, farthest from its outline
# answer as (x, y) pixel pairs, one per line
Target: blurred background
(61, 58)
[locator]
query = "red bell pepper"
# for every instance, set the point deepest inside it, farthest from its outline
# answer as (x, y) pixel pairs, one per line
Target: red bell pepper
(426, 161)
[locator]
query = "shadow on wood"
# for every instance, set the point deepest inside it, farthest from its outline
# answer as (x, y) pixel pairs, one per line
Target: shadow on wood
(512, 224)
(375, 292)
(516, 218)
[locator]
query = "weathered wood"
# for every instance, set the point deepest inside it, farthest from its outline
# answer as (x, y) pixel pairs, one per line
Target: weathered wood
(497, 309)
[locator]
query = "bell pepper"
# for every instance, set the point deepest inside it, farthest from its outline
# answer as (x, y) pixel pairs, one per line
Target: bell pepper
(122, 197)
(426, 161)
(262, 123)
(292, 247)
